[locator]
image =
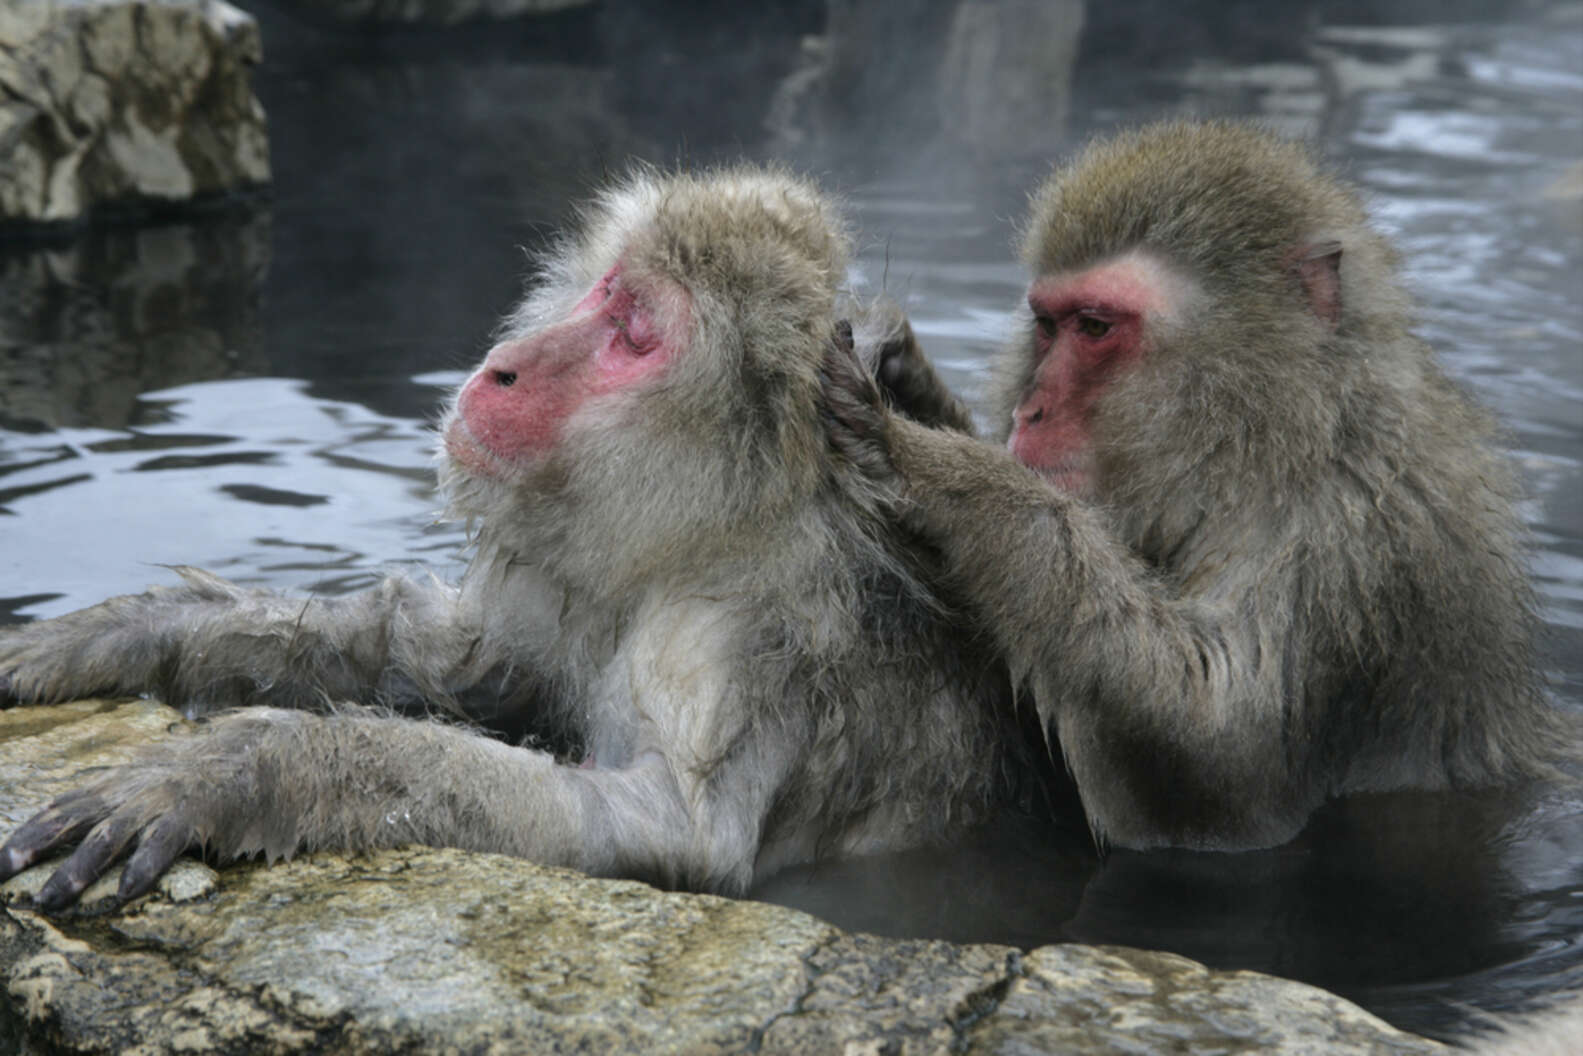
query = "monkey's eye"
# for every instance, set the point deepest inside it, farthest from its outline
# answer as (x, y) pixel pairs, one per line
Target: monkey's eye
(1045, 325)
(1090, 326)
(637, 333)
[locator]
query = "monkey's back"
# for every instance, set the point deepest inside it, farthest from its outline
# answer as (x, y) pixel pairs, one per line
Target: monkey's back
(1444, 604)
(902, 720)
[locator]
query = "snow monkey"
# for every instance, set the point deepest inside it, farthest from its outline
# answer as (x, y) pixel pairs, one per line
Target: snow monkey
(693, 596)
(1243, 543)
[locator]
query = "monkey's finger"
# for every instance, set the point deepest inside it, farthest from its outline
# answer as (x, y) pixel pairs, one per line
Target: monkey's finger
(852, 413)
(841, 360)
(844, 434)
(892, 371)
(159, 847)
(106, 843)
(839, 406)
(842, 372)
(842, 338)
(896, 350)
(39, 836)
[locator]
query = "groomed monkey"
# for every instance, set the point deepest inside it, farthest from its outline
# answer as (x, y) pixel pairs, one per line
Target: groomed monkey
(1249, 547)
(673, 575)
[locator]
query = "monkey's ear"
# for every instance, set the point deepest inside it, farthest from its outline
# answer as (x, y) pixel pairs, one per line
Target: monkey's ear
(1318, 267)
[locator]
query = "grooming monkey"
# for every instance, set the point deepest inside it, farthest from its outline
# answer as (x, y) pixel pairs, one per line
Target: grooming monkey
(1249, 547)
(674, 578)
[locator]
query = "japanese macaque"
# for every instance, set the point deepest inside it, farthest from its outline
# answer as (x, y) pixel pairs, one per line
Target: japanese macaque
(689, 594)
(1243, 543)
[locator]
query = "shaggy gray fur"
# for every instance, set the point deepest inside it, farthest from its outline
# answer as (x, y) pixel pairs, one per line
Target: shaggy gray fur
(692, 598)
(1302, 574)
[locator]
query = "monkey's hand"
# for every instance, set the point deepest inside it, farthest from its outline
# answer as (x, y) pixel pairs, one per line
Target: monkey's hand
(178, 794)
(854, 413)
(905, 376)
(275, 781)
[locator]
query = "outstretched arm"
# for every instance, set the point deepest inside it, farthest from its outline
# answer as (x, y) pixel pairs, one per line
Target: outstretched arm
(1173, 712)
(208, 643)
(273, 781)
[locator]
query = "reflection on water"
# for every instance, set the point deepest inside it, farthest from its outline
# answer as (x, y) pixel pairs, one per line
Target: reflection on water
(250, 477)
(86, 327)
(253, 394)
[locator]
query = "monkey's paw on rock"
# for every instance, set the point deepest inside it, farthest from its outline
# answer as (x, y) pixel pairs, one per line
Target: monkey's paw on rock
(420, 950)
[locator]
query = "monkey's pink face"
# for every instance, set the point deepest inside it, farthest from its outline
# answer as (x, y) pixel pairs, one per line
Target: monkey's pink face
(515, 408)
(1088, 327)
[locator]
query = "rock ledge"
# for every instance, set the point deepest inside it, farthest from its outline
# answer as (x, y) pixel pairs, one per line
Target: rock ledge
(439, 950)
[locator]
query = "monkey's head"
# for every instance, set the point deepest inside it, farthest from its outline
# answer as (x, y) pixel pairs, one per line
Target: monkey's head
(656, 390)
(1202, 294)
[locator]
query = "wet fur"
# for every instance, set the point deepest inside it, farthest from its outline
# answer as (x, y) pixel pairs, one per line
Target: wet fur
(693, 600)
(1304, 574)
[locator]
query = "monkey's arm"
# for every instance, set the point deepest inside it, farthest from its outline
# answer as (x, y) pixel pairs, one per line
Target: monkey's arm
(905, 376)
(270, 781)
(210, 643)
(1176, 716)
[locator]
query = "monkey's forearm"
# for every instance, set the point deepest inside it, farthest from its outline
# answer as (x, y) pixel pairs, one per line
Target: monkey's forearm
(1030, 560)
(1044, 572)
(973, 499)
(272, 782)
(1156, 700)
(357, 781)
(209, 642)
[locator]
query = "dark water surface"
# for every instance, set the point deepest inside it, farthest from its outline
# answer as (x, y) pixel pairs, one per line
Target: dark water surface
(253, 393)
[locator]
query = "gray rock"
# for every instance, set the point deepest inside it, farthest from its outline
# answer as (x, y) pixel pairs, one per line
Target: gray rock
(437, 950)
(125, 101)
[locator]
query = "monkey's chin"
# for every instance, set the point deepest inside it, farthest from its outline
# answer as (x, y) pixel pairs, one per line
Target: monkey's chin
(469, 455)
(1073, 476)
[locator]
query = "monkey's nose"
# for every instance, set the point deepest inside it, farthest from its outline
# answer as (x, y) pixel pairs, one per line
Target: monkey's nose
(504, 378)
(1035, 418)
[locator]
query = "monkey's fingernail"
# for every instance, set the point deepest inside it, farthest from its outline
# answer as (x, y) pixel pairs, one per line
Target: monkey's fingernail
(58, 892)
(134, 882)
(12, 862)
